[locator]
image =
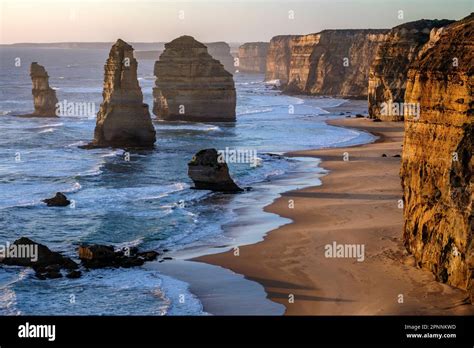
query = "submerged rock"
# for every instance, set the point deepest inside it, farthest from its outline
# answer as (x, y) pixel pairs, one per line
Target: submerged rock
(123, 119)
(44, 97)
(208, 173)
(60, 200)
(100, 256)
(191, 85)
(437, 161)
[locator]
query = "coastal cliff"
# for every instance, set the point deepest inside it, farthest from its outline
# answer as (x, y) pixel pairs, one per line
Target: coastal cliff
(253, 57)
(279, 58)
(437, 161)
(191, 85)
(44, 97)
(388, 73)
(123, 119)
(221, 51)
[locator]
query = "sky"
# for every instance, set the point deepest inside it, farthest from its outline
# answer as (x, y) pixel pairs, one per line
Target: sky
(207, 21)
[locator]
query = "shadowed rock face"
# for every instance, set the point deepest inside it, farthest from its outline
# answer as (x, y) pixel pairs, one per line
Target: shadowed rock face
(279, 58)
(209, 173)
(191, 85)
(388, 73)
(221, 52)
(123, 119)
(437, 161)
(44, 97)
(333, 62)
(253, 57)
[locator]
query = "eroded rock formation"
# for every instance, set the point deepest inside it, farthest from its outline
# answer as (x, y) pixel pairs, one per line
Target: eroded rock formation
(279, 58)
(191, 85)
(437, 157)
(387, 77)
(59, 200)
(253, 57)
(221, 51)
(44, 97)
(333, 62)
(210, 173)
(100, 256)
(123, 119)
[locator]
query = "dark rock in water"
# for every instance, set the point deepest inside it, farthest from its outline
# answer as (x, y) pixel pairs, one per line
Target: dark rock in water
(384, 155)
(40, 256)
(74, 274)
(167, 258)
(60, 200)
(376, 120)
(359, 116)
(48, 272)
(100, 256)
(209, 172)
(396, 156)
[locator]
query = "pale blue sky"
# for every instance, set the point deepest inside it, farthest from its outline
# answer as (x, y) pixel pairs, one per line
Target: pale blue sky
(212, 20)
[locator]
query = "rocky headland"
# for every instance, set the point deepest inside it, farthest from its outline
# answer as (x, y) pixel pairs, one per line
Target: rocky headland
(437, 160)
(279, 58)
(191, 85)
(388, 73)
(221, 51)
(253, 57)
(123, 119)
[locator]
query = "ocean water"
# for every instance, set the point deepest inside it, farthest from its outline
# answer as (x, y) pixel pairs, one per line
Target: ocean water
(147, 201)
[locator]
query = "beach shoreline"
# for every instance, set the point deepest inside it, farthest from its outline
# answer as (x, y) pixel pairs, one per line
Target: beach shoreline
(357, 204)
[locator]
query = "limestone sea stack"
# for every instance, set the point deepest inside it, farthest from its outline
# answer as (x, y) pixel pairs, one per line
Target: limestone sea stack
(279, 58)
(253, 57)
(387, 76)
(191, 85)
(123, 119)
(209, 173)
(44, 97)
(333, 62)
(437, 160)
(221, 51)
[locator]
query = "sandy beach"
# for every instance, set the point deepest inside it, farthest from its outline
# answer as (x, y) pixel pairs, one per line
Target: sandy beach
(357, 203)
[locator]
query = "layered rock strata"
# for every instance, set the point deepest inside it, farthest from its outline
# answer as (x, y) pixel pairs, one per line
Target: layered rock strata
(191, 85)
(123, 119)
(44, 97)
(208, 172)
(253, 57)
(437, 160)
(279, 58)
(221, 51)
(388, 73)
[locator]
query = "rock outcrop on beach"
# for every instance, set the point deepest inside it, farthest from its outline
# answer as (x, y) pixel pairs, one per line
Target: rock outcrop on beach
(221, 51)
(191, 85)
(100, 256)
(333, 62)
(59, 200)
(437, 160)
(253, 57)
(279, 58)
(46, 263)
(44, 97)
(209, 172)
(388, 73)
(123, 119)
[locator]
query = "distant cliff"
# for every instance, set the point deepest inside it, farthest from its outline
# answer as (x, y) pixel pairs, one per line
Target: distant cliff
(279, 58)
(437, 157)
(332, 62)
(387, 77)
(253, 57)
(221, 51)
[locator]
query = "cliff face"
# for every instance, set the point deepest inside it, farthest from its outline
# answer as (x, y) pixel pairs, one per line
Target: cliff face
(221, 51)
(437, 158)
(279, 58)
(123, 120)
(191, 85)
(387, 77)
(44, 97)
(253, 57)
(333, 62)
